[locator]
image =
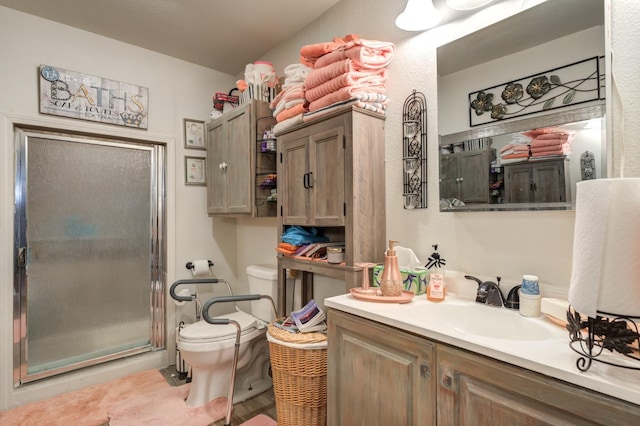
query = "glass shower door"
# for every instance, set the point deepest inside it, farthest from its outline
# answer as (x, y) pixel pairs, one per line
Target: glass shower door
(88, 249)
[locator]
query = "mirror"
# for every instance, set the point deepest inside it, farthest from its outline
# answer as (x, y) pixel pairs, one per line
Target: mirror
(532, 158)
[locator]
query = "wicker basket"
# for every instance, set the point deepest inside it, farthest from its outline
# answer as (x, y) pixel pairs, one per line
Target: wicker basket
(299, 368)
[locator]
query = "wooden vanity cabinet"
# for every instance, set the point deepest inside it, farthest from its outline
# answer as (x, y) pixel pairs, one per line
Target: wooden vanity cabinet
(476, 390)
(331, 177)
(233, 165)
(377, 376)
(538, 181)
(380, 375)
(465, 175)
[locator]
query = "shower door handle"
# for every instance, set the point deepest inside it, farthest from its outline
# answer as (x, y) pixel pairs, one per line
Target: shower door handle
(22, 257)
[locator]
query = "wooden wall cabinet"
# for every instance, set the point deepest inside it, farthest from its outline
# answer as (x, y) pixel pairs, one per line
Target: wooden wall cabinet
(539, 181)
(234, 162)
(331, 176)
(465, 175)
(376, 372)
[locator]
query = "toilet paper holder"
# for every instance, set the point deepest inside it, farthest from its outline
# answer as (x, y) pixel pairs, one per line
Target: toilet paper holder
(190, 265)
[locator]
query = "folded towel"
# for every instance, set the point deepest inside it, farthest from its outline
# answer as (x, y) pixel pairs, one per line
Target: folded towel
(514, 147)
(290, 112)
(516, 155)
(296, 73)
(287, 124)
(547, 143)
(367, 53)
(362, 94)
(333, 70)
(374, 83)
(313, 115)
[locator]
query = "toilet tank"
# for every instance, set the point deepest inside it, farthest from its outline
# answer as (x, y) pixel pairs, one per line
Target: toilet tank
(263, 279)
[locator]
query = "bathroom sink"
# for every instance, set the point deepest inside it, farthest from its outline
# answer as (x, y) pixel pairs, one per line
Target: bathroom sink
(481, 320)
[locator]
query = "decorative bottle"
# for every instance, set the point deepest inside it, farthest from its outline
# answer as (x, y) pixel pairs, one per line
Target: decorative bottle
(391, 280)
(437, 287)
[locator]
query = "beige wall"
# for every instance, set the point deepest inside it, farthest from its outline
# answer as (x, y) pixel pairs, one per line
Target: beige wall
(177, 89)
(508, 244)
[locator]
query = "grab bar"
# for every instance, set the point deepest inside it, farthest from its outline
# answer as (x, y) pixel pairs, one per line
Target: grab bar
(172, 290)
(240, 298)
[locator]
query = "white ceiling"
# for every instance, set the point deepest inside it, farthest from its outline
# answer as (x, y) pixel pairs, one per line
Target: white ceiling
(223, 35)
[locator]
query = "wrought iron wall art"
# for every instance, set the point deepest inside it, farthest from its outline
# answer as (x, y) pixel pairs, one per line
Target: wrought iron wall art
(414, 151)
(590, 337)
(568, 85)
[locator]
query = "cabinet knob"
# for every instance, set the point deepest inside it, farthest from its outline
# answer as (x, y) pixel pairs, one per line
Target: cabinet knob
(446, 379)
(425, 371)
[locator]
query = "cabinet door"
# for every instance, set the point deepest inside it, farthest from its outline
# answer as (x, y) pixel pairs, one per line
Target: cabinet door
(240, 166)
(293, 180)
(378, 375)
(449, 176)
(549, 183)
(215, 174)
(474, 177)
(326, 178)
(518, 184)
(475, 390)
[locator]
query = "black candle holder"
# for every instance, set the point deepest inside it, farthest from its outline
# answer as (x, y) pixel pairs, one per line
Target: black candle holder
(613, 332)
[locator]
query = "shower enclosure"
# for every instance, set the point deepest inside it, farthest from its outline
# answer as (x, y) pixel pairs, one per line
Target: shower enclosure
(89, 252)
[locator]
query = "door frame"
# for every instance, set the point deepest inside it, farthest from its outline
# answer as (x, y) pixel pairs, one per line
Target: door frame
(8, 122)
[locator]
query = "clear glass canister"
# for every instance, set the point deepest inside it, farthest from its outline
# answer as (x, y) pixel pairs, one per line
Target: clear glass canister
(335, 254)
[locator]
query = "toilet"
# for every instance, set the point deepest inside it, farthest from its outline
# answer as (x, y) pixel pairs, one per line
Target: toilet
(209, 348)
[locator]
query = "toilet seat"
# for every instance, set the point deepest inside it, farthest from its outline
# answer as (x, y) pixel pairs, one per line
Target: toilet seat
(203, 332)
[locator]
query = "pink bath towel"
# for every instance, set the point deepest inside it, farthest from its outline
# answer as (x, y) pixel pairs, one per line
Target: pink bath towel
(364, 94)
(288, 113)
(366, 53)
(542, 143)
(333, 70)
(375, 83)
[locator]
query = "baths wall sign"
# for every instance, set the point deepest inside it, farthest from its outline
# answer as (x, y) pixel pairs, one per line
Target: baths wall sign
(87, 97)
(561, 87)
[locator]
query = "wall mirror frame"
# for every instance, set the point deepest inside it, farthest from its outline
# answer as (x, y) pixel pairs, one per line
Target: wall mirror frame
(476, 61)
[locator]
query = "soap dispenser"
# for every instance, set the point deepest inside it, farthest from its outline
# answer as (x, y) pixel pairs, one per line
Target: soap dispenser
(391, 280)
(437, 287)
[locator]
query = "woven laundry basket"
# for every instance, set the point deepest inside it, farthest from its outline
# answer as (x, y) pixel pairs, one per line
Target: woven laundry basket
(299, 368)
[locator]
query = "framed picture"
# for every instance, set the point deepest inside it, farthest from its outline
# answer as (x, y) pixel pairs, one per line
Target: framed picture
(194, 171)
(194, 134)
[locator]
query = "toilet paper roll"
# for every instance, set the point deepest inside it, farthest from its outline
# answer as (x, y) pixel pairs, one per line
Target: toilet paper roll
(200, 268)
(606, 248)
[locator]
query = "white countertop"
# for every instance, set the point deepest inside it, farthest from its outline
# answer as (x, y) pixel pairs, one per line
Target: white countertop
(550, 356)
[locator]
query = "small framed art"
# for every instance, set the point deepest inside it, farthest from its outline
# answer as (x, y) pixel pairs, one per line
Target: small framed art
(194, 171)
(194, 134)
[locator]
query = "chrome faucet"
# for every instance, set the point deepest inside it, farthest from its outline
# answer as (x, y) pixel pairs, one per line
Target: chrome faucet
(489, 293)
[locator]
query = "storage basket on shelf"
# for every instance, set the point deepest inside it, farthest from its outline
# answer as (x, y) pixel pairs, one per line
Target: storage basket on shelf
(299, 368)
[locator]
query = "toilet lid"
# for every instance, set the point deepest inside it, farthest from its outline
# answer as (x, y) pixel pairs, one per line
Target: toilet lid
(203, 331)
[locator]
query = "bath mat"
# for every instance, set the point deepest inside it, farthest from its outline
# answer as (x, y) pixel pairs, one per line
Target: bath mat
(166, 407)
(260, 420)
(84, 407)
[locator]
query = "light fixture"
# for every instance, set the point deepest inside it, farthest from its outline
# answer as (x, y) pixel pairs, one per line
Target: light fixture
(418, 15)
(467, 4)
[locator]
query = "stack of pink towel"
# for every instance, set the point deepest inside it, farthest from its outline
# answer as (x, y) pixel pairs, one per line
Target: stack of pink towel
(347, 71)
(550, 142)
(514, 152)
